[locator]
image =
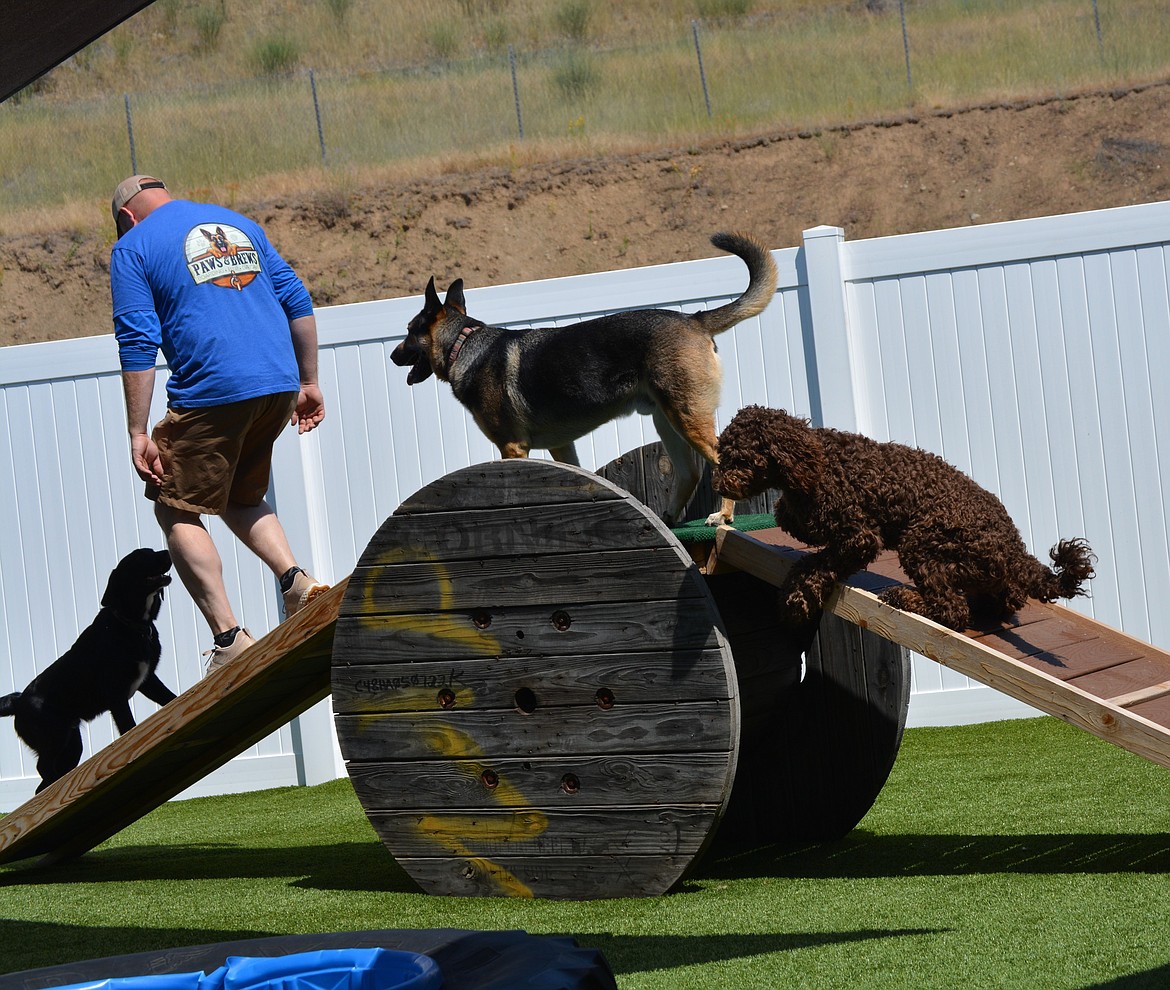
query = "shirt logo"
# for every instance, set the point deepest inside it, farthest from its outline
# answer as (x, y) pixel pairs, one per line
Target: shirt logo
(223, 256)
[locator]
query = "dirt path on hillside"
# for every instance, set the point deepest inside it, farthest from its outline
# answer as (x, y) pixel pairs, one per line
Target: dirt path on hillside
(498, 225)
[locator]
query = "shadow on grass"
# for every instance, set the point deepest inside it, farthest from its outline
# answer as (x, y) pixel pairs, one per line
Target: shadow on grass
(645, 953)
(364, 866)
(354, 866)
(33, 944)
(1151, 979)
(863, 855)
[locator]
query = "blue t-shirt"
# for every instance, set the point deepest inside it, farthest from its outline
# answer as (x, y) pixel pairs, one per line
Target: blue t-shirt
(202, 283)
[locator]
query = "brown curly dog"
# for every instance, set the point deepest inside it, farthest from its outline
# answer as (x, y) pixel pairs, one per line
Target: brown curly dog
(854, 497)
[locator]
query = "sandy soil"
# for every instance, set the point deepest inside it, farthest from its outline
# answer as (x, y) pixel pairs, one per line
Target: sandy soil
(500, 225)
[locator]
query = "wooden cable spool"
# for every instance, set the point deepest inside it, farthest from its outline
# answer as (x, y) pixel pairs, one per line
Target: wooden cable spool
(539, 693)
(532, 690)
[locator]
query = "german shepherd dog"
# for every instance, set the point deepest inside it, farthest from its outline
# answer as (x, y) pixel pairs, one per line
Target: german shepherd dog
(543, 388)
(115, 656)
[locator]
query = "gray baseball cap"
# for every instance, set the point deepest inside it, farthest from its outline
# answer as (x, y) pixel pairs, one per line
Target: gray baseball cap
(127, 189)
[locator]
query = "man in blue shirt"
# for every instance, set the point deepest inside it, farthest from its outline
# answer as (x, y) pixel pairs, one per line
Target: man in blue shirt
(236, 326)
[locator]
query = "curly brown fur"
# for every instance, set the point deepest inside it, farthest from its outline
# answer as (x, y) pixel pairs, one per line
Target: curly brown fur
(853, 497)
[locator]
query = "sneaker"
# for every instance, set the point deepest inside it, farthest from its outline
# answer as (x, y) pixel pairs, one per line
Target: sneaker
(221, 656)
(303, 590)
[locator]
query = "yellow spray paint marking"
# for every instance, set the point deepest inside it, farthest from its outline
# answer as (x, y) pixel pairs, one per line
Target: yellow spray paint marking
(455, 744)
(520, 826)
(524, 824)
(435, 626)
(507, 881)
(412, 700)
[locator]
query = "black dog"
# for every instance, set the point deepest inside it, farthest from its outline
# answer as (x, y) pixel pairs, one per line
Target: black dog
(114, 657)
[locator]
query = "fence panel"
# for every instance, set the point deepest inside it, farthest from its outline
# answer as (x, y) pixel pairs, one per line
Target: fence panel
(75, 507)
(1024, 353)
(1034, 375)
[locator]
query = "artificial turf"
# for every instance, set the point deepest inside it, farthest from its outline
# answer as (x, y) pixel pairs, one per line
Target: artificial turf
(1010, 854)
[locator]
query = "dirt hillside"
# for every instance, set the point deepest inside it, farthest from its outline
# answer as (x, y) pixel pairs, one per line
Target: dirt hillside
(500, 225)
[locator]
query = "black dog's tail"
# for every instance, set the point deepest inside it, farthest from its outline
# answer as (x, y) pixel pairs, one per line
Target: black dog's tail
(8, 703)
(1073, 562)
(761, 288)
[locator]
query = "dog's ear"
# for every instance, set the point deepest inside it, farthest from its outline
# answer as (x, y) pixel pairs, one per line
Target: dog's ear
(431, 297)
(110, 595)
(454, 298)
(799, 448)
(115, 592)
(744, 466)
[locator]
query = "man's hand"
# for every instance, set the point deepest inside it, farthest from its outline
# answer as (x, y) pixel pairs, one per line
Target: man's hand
(310, 409)
(147, 462)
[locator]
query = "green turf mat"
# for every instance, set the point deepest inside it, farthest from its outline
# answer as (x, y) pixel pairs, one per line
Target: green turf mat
(697, 531)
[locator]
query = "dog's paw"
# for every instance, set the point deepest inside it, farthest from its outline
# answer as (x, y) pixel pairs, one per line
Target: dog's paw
(719, 519)
(901, 597)
(795, 608)
(952, 612)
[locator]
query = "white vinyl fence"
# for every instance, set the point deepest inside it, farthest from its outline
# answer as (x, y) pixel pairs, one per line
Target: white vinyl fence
(1026, 353)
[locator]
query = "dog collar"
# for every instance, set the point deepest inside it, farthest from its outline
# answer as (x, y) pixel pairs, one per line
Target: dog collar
(458, 345)
(138, 625)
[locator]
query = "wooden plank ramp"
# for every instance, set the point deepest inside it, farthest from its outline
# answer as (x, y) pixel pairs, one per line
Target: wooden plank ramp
(1048, 656)
(282, 675)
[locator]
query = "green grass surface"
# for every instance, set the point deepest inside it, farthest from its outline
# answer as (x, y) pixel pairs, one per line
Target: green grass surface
(1013, 854)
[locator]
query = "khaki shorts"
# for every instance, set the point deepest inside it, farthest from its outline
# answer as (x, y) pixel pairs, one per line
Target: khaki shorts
(219, 454)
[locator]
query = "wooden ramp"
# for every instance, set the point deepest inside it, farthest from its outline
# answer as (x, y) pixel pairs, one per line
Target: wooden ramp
(1050, 657)
(1054, 659)
(284, 674)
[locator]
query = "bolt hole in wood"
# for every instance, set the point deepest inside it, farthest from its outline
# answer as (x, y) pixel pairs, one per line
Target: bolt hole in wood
(482, 619)
(561, 620)
(605, 699)
(490, 779)
(446, 698)
(525, 699)
(570, 784)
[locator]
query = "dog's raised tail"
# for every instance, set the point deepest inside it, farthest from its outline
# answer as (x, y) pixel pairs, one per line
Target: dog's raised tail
(761, 288)
(1072, 561)
(8, 703)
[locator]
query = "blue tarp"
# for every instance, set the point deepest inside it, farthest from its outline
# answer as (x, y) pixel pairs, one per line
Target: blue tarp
(327, 969)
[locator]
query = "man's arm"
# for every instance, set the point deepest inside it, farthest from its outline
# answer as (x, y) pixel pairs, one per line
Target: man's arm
(139, 389)
(138, 334)
(310, 408)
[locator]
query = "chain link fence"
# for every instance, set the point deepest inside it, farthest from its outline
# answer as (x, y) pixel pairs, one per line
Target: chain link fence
(717, 79)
